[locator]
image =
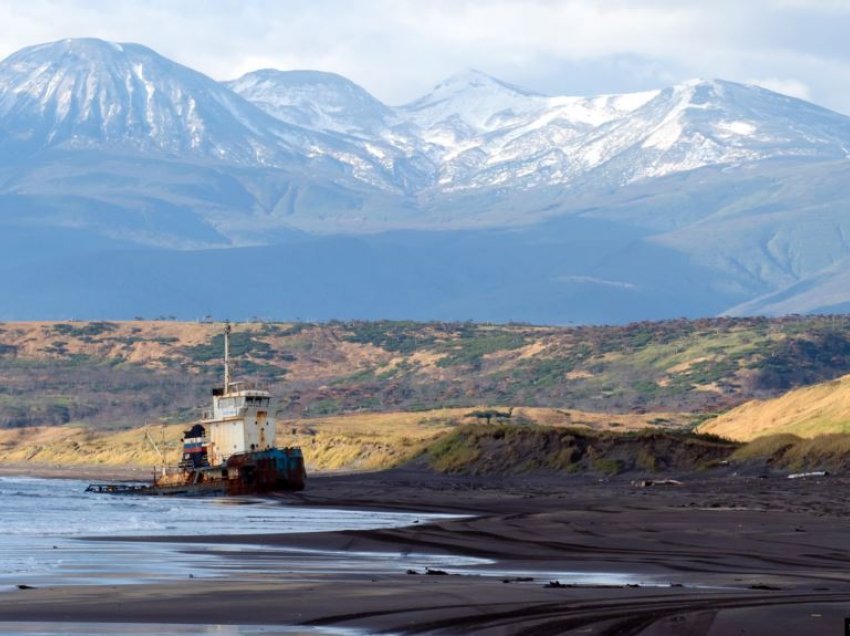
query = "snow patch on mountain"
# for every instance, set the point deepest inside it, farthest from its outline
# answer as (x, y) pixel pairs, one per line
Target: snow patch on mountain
(79, 93)
(475, 132)
(472, 103)
(735, 128)
(313, 99)
(472, 132)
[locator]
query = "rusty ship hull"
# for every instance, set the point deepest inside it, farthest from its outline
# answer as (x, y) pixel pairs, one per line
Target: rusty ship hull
(257, 473)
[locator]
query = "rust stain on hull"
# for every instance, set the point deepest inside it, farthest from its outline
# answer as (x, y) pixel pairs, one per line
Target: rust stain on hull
(231, 451)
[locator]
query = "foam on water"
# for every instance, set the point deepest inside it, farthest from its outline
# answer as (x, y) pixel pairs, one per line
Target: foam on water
(46, 507)
(42, 522)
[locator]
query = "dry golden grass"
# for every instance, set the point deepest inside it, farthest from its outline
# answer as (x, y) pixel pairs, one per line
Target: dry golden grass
(362, 441)
(506, 450)
(786, 451)
(601, 421)
(506, 358)
(807, 412)
(766, 447)
(76, 446)
(365, 441)
(149, 342)
(681, 367)
(831, 452)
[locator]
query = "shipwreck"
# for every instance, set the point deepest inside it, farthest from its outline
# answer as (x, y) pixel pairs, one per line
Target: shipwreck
(231, 450)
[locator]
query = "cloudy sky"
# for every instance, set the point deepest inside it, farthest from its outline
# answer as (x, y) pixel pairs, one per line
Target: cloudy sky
(398, 49)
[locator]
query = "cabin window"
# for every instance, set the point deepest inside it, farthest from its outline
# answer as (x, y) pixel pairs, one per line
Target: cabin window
(231, 403)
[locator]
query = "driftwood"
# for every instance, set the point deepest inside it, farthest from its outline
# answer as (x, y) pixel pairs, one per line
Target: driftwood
(646, 483)
(814, 473)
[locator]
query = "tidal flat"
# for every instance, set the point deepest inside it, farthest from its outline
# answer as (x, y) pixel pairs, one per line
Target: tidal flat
(716, 554)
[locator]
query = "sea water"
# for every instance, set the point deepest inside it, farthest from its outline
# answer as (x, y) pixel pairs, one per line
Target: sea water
(46, 526)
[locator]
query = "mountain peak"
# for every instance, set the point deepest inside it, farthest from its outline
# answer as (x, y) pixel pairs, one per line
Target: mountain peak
(89, 49)
(83, 44)
(314, 99)
(294, 77)
(702, 81)
(469, 103)
(85, 91)
(475, 80)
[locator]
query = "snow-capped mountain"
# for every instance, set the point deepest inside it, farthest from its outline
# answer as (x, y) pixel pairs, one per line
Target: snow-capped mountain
(491, 134)
(703, 123)
(470, 132)
(478, 132)
(743, 189)
(315, 100)
(473, 103)
(332, 105)
(84, 93)
(90, 94)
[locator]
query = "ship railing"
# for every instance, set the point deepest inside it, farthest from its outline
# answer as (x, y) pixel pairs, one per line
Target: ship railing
(246, 385)
(165, 471)
(232, 413)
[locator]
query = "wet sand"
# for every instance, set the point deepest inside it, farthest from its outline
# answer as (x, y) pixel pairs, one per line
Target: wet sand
(91, 473)
(717, 555)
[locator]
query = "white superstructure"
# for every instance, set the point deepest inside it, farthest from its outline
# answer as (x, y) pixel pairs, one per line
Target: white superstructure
(239, 421)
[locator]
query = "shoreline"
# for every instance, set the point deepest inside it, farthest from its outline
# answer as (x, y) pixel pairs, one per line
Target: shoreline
(726, 553)
(82, 472)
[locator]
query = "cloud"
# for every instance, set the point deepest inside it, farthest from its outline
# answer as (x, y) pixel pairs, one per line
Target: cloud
(398, 49)
(792, 87)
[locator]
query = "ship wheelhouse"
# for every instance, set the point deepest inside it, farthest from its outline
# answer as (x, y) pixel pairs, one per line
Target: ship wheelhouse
(238, 422)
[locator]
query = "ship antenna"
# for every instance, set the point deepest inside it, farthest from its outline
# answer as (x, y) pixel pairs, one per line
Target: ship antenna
(227, 357)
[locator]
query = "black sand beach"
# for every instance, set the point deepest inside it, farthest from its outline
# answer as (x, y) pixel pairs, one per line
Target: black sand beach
(715, 555)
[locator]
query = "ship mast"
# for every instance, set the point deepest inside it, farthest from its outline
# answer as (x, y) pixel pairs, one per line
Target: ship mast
(226, 357)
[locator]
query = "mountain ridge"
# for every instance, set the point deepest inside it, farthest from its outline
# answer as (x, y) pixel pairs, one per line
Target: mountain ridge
(112, 144)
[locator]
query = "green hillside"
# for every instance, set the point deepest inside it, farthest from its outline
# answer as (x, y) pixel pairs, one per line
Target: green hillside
(124, 374)
(508, 449)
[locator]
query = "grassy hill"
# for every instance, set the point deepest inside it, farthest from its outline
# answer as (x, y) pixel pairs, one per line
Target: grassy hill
(804, 412)
(788, 452)
(516, 450)
(117, 375)
(507, 450)
(363, 441)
